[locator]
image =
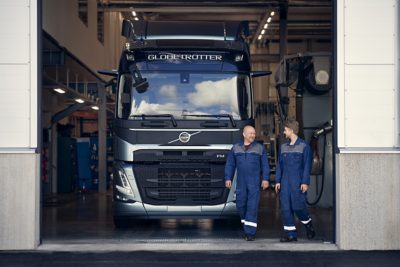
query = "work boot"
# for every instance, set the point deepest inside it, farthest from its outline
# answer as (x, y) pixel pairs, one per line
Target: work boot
(288, 238)
(249, 237)
(310, 230)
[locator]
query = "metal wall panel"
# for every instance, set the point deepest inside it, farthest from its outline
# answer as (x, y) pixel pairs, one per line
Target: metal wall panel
(369, 30)
(18, 75)
(367, 80)
(369, 106)
(14, 32)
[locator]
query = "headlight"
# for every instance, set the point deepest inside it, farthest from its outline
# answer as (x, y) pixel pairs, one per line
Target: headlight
(125, 188)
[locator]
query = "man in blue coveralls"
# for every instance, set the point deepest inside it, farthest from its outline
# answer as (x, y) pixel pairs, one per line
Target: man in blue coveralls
(250, 160)
(292, 180)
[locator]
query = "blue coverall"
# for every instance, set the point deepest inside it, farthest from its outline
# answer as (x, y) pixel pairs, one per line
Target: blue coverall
(293, 169)
(250, 164)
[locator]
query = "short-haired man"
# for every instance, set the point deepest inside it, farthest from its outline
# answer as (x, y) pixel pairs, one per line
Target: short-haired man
(250, 160)
(292, 180)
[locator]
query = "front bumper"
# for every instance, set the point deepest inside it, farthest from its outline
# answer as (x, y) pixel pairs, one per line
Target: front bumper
(142, 210)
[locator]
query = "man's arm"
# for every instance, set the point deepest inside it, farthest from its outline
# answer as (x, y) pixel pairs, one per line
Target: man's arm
(279, 171)
(307, 161)
(230, 167)
(264, 169)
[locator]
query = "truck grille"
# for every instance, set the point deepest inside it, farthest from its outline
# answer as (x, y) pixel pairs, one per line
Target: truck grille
(184, 177)
(172, 184)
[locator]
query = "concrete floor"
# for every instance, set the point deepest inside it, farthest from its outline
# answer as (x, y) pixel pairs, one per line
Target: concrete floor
(87, 218)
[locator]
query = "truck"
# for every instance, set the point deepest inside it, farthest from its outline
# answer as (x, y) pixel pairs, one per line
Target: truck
(184, 93)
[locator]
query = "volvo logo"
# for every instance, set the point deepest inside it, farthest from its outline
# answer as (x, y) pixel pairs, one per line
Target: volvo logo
(184, 137)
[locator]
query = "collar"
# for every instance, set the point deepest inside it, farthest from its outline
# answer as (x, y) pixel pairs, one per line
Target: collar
(298, 141)
(242, 143)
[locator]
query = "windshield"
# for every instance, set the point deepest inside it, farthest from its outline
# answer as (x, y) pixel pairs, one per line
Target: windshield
(182, 94)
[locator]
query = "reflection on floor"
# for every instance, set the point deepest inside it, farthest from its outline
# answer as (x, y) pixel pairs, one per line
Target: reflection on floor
(89, 216)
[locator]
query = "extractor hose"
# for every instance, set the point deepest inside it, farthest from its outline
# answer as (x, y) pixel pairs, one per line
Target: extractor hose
(327, 128)
(319, 195)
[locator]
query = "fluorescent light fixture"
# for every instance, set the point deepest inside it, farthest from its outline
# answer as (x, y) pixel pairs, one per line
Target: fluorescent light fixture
(134, 13)
(136, 18)
(79, 100)
(272, 13)
(95, 107)
(59, 90)
(269, 19)
(265, 25)
(263, 31)
(259, 37)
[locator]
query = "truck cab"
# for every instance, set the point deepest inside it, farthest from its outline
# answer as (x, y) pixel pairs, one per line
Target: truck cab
(184, 94)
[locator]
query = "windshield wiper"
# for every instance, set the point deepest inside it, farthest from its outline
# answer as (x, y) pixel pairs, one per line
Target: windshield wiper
(143, 116)
(215, 116)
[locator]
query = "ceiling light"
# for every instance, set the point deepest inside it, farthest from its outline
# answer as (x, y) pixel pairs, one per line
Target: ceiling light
(79, 100)
(136, 18)
(259, 37)
(265, 25)
(263, 31)
(272, 13)
(59, 90)
(134, 13)
(269, 19)
(95, 107)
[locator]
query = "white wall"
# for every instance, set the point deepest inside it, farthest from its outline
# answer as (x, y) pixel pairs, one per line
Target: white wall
(19, 164)
(368, 90)
(18, 75)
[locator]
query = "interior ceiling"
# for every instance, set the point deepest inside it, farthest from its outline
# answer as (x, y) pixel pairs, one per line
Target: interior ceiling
(305, 19)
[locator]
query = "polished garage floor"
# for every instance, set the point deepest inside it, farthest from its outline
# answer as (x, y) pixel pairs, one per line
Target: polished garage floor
(85, 216)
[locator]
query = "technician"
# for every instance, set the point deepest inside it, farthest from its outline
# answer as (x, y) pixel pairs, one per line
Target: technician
(292, 180)
(250, 160)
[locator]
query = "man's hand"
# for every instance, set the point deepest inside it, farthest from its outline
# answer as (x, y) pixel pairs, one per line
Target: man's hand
(264, 184)
(277, 187)
(228, 184)
(304, 188)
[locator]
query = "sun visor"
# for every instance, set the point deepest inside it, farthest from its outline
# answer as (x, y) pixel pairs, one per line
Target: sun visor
(190, 30)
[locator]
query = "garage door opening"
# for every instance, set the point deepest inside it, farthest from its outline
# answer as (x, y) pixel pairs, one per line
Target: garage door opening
(292, 40)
